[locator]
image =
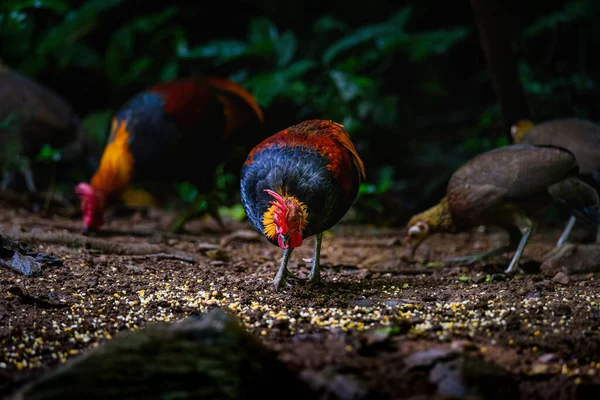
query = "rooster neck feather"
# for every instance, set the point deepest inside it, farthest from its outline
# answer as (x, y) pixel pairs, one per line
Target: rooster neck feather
(116, 165)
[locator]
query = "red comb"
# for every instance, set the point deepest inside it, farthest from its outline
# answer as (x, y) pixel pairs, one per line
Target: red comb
(84, 190)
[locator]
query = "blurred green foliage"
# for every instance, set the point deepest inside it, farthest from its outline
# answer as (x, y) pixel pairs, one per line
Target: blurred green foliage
(400, 76)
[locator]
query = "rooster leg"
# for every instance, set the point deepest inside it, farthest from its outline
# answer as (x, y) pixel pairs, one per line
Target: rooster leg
(525, 227)
(283, 273)
(315, 272)
(565, 235)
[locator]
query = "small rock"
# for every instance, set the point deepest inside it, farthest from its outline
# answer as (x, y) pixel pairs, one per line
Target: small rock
(23, 259)
(561, 278)
(546, 358)
(539, 369)
(25, 265)
(135, 269)
(361, 303)
(337, 383)
(459, 375)
(577, 259)
(427, 358)
(463, 345)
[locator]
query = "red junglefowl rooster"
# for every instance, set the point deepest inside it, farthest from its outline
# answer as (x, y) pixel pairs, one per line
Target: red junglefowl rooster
(298, 183)
(580, 137)
(175, 131)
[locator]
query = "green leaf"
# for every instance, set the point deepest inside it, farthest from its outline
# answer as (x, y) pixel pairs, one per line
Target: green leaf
(262, 30)
(97, 125)
(394, 26)
(286, 48)
(58, 6)
(360, 36)
(299, 68)
(350, 86)
(235, 212)
(48, 153)
(386, 179)
(266, 87)
(76, 24)
(400, 18)
(77, 55)
(150, 22)
(169, 72)
(187, 192)
(366, 188)
(220, 50)
(425, 44)
(464, 278)
(329, 23)
(435, 264)
(574, 10)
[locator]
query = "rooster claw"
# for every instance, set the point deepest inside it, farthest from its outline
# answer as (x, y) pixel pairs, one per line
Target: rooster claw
(281, 279)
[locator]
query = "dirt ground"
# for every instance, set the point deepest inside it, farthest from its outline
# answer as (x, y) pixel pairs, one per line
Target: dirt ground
(545, 332)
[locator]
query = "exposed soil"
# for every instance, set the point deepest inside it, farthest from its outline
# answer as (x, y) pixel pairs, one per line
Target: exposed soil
(545, 332)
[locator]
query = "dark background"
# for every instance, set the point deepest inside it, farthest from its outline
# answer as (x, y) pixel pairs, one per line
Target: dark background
(409, 80)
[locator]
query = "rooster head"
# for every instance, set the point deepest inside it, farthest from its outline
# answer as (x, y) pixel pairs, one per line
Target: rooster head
(285, 219)
(92, 206)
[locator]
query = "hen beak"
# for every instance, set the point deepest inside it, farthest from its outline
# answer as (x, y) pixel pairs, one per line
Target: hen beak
(413, 245)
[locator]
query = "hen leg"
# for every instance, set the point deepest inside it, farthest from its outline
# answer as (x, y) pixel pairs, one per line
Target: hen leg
(315, 272)
(283, 273)
(514, 238)
(472, 258)
(565, 235)
(563, 238)
(525, 226)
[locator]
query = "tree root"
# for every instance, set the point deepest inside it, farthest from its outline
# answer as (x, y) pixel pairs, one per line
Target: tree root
(166, 256)
(74, 240)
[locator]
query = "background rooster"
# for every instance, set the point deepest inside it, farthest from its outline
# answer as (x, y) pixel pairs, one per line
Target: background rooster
(298, 183)
(175, 131)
